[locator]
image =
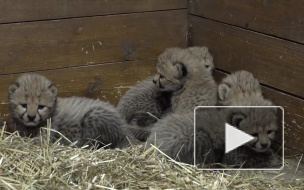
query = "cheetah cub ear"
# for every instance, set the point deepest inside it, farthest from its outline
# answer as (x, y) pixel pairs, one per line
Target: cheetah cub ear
(181, 69)
(237, 119)
(13, 87)
(53, 89)
(222, 91)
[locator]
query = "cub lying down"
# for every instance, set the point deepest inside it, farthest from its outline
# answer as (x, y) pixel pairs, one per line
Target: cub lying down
(33, 100)
(174, 135)
(242, 89)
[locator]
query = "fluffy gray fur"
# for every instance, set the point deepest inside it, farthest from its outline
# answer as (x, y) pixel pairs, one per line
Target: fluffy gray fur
(79, 119)
(238, 85)
(174, 135)
(139, 101)
(248, 158)
(83, 119)
(146, 97)
(188, 73)
(242, 89)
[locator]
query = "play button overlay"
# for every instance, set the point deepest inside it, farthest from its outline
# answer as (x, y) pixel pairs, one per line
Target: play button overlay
(220, 143)
(235, 138)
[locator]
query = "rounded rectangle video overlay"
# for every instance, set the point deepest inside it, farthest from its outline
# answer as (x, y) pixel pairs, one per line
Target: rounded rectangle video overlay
(239, 137)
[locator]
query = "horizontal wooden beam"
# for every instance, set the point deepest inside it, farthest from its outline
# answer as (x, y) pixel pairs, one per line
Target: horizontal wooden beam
(275, 62)
(31, 10)
(45, 45)
(281, 18)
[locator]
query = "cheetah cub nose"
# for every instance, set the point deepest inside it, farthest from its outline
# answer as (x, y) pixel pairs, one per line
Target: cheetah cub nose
(264, 145)
(31, 117)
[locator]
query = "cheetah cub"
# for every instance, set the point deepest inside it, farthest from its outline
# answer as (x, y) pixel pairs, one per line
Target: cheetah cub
(174, 133)
(188, 74)
(242, 89)
(238, 85)
(139, 102)
(174, 136)
(262, 125)
(146, 97)
(33, 100)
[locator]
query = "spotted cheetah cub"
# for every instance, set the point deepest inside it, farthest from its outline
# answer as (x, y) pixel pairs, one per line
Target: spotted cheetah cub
(33, 99)
(143, 105)
(188, 73)
(242, 89)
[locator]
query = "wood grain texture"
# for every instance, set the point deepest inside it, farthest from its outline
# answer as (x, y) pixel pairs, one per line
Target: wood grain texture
(107, 82)
(275, 62)
(83, 41)
(294, 114)
(18, 10)
(280, 18)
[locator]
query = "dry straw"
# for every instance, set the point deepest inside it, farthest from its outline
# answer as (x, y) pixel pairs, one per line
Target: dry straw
(26, 164)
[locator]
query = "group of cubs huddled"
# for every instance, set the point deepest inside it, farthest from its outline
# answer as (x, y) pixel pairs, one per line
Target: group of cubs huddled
(159, 110)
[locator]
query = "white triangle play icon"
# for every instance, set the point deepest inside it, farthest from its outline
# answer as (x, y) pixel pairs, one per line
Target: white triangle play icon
(235, 138)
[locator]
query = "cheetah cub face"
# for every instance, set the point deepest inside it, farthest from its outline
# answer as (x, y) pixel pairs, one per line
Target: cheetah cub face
(202, 56)
(170, 69)
(32, 98)
(258, 122)
(175, 64)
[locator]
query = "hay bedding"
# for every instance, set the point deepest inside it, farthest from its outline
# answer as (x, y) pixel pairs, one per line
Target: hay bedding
(24, 164)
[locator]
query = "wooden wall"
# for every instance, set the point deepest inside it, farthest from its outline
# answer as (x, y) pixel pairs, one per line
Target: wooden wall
(265, 37)
(100, 49)
(88, 48)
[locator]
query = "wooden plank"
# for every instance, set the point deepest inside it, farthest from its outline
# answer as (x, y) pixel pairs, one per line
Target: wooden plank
(275, 62)
(18, 10)
(44, 45)
(115, 80)
(276, 17)
(294, 115)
